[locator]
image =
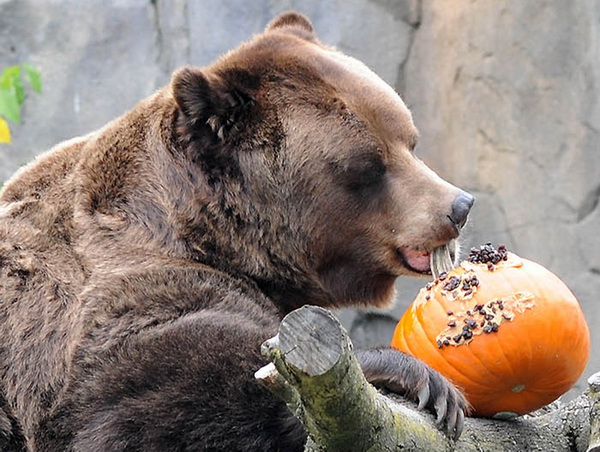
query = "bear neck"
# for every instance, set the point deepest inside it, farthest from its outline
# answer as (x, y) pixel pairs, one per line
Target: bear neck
(157, 199)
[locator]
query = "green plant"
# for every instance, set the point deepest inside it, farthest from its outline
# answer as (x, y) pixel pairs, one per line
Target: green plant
(12, 95)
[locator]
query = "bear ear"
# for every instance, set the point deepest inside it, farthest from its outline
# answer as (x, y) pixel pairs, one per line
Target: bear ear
(294, 23)
(192, 93)
(208, 99)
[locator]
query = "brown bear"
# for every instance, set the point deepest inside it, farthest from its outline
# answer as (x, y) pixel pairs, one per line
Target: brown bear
(142, 265)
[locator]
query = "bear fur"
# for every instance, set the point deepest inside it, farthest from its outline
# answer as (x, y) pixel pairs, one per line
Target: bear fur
(142, 265)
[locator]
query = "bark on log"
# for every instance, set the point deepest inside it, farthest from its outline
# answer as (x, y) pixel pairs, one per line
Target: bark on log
(314, 371)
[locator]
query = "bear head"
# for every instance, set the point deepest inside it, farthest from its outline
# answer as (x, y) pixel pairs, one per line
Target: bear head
(305, 175)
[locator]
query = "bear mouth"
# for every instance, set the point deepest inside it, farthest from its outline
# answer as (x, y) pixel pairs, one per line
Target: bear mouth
(417, 261)
(420, 261)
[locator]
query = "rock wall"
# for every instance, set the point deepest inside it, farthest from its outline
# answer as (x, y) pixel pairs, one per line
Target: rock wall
(505, 94)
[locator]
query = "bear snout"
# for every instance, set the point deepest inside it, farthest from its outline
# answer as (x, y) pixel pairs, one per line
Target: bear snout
(461, 206)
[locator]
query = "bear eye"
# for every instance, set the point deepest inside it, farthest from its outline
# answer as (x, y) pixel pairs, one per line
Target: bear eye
(362, 173)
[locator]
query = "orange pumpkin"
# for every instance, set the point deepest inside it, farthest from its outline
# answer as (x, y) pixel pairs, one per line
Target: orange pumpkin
(510, 334)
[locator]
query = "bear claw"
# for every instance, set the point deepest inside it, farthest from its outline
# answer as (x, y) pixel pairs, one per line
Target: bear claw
(403, 374)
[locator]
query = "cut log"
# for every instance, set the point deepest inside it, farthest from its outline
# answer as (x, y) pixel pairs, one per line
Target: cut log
(313, 369)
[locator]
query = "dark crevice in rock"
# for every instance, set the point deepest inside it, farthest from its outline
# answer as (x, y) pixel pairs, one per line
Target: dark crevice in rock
(589, 204)
(414, 19)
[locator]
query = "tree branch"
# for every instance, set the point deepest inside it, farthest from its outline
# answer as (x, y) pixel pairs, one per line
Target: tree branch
(314, 371)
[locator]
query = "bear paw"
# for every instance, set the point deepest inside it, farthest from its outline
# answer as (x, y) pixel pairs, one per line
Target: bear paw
(403, 374)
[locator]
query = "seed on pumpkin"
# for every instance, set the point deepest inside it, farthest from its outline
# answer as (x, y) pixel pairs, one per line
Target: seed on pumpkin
(452, 283)
(488, 254)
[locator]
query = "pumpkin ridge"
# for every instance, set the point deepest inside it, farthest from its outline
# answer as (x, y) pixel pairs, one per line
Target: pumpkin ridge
(485, 364)
(541, 291)
(532, 352)
(556, 384)
(506, 359)
(440, 353)
(468, 344)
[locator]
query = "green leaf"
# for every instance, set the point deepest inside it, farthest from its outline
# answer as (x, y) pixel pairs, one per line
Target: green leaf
(9, 105)
(12, 89)
(8, 76)
(34, 77)
(17, 85)
(11, 81)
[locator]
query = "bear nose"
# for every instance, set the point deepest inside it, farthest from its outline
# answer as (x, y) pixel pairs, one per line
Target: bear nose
(460, 209)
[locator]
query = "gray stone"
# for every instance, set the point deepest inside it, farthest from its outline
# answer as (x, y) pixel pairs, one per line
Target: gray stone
(97, 59)
(505, 95)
